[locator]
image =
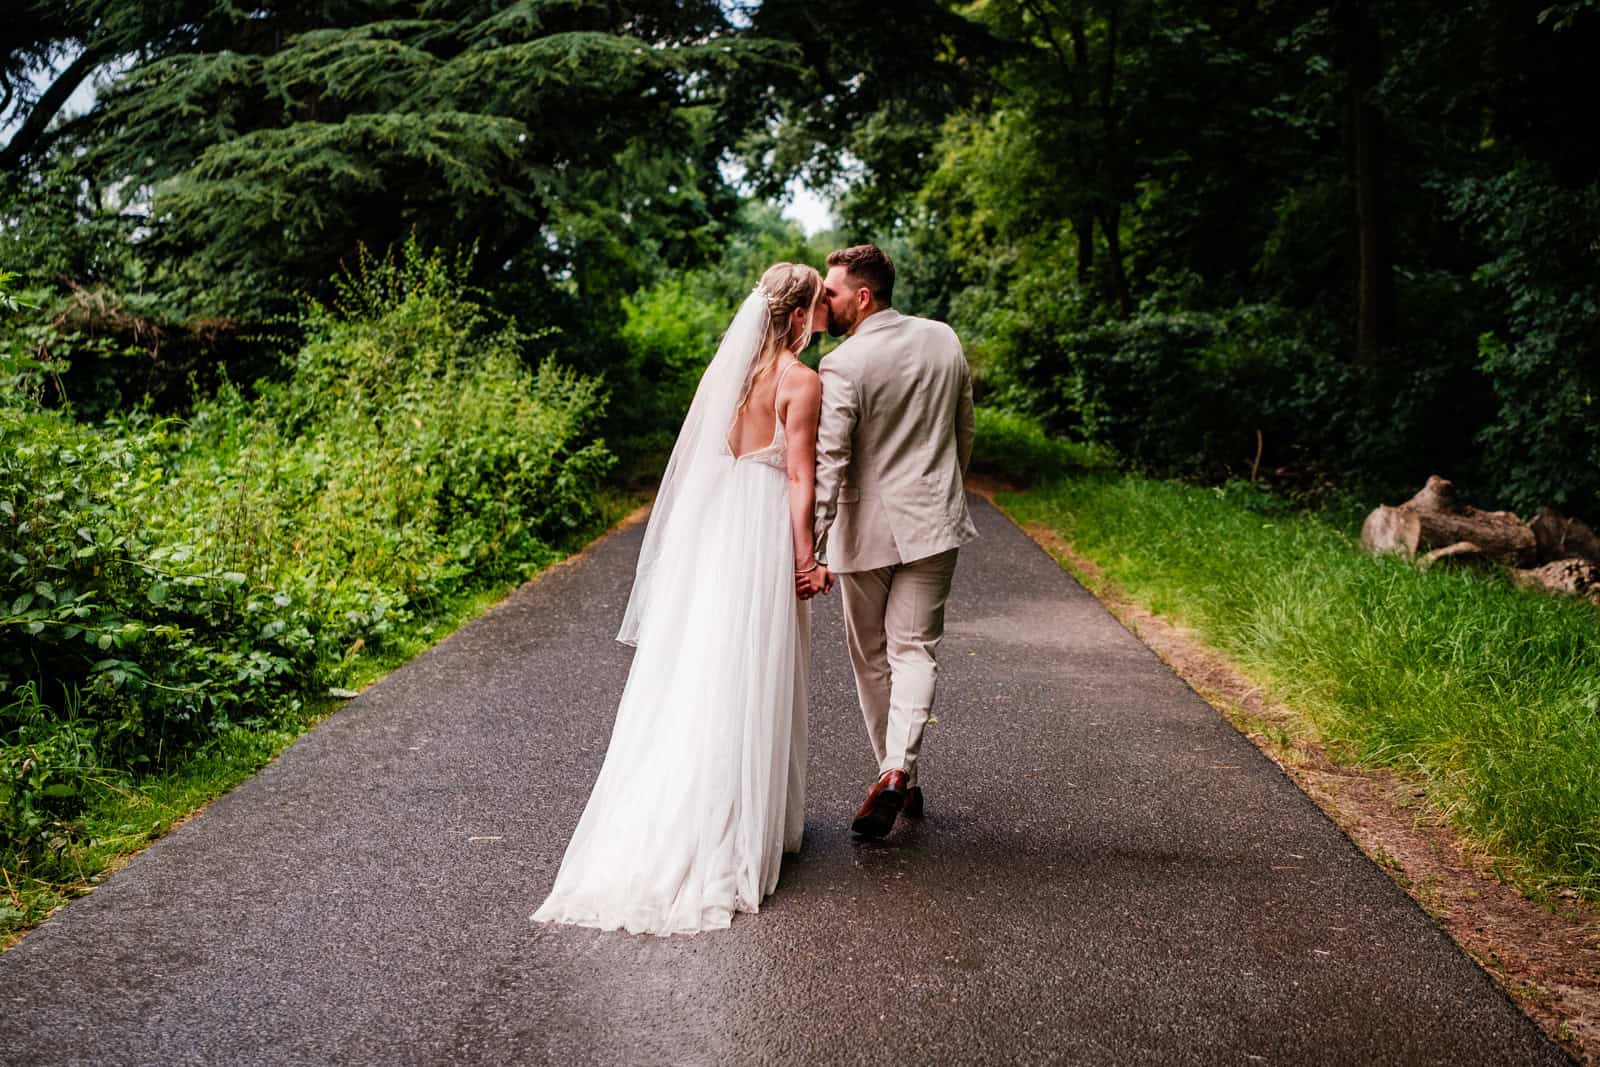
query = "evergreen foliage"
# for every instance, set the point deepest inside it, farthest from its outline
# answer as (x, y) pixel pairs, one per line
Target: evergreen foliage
(241, 155)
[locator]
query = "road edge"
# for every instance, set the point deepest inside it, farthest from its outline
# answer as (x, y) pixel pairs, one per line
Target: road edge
(11, 939)
(1544, 956)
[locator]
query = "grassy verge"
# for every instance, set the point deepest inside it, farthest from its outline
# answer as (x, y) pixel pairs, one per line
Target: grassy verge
(1488, 694)
(122, 817)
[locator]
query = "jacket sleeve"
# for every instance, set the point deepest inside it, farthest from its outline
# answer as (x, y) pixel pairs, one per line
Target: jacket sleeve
(836, 429)
(966, 420)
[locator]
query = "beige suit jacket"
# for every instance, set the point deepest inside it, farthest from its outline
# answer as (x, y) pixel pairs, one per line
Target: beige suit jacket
(893, 444)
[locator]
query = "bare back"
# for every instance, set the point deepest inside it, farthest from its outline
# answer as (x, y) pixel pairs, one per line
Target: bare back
(756, 427)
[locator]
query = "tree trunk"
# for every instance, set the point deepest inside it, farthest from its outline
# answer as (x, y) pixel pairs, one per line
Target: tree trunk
(1083, 233)
(1366, 157)
(1077, 95)
(1116, 277)
(53, 100)
(1111, 165)
(1434, 520)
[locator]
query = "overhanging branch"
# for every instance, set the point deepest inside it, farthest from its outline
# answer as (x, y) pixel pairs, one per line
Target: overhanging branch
(50, 104)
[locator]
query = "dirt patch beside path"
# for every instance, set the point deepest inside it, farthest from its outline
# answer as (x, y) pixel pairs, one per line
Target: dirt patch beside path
(1546, 956)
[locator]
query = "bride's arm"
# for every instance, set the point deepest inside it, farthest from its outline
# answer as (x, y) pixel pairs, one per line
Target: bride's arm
(799, 408)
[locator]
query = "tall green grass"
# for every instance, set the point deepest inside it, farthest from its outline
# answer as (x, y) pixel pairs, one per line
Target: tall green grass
(1490, 693)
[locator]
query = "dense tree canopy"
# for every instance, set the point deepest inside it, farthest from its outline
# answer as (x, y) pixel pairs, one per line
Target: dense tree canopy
(262, 147)
(1358, 233)
(1363, 229)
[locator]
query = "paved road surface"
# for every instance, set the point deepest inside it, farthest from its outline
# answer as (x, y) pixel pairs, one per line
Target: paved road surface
(1109, 874)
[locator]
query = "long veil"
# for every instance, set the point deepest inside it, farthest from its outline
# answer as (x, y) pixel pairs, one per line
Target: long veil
(700, 453)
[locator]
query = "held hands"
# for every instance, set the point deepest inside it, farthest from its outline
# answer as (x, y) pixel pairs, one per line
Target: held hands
(811, 580)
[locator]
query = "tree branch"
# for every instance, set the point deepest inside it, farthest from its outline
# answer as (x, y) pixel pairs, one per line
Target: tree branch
(1038, 12)
(50, 103)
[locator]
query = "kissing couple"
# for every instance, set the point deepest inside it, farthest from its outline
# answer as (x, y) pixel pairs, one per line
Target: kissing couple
(782, 483)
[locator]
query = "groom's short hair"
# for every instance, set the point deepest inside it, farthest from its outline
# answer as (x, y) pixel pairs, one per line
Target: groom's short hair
(869, 265)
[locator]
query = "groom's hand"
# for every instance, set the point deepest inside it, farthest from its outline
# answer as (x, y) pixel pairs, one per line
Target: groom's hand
(812, 582)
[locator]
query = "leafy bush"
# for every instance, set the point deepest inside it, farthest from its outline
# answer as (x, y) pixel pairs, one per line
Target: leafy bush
(1179, 391)
(1543, 446)
(174, 581)
(1016, 449)
(671, 331)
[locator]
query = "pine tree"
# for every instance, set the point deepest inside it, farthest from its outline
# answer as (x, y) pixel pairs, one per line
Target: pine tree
(565, 139)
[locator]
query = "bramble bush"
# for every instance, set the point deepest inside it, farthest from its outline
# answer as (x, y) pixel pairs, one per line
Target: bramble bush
(167, 581)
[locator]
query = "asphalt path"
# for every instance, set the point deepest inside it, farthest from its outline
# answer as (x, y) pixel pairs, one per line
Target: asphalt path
(1108, 874)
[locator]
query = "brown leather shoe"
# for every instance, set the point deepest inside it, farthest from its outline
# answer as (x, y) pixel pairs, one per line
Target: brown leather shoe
(884, 801)
(913, 805)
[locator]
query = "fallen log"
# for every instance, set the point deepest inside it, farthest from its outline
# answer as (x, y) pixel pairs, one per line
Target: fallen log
(1434, 519)
(1574, 577)
(1458, 553)
(1562, 538)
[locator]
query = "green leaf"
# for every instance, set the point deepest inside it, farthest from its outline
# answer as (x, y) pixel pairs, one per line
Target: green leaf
(19, 605)
(59, 789)
(157, 593)
(235, 577)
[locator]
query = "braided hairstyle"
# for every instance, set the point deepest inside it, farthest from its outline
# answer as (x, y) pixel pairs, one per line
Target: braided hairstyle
(786, 286)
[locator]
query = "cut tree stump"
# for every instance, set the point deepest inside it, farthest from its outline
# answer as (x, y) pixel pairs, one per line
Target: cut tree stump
(1434, 519)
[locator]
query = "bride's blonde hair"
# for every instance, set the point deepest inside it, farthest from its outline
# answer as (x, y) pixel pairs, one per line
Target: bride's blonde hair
(786, 286)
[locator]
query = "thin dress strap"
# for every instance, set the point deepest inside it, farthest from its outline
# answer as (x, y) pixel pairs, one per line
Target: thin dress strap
(779, 384)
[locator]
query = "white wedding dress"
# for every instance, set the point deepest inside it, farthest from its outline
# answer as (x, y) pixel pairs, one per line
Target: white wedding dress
(703, 785)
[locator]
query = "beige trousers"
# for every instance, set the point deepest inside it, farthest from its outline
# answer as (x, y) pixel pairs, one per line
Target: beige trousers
(893, 620)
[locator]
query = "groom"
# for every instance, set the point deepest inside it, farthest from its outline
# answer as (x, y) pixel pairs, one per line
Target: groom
(891, 510)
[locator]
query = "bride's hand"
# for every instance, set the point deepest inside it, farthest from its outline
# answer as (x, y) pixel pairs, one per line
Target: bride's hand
(817, 580)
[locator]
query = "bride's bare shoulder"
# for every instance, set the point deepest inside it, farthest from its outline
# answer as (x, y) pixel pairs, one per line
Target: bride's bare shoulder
(802, 381)
(800, 390)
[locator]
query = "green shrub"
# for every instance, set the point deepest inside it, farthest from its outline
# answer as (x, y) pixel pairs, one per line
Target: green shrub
(1016, 449)
(1543, 445)
(48, 764)
(169, 581)
(1195, 393)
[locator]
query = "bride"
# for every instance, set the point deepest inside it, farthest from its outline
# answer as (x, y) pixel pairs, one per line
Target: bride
(703, 785)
